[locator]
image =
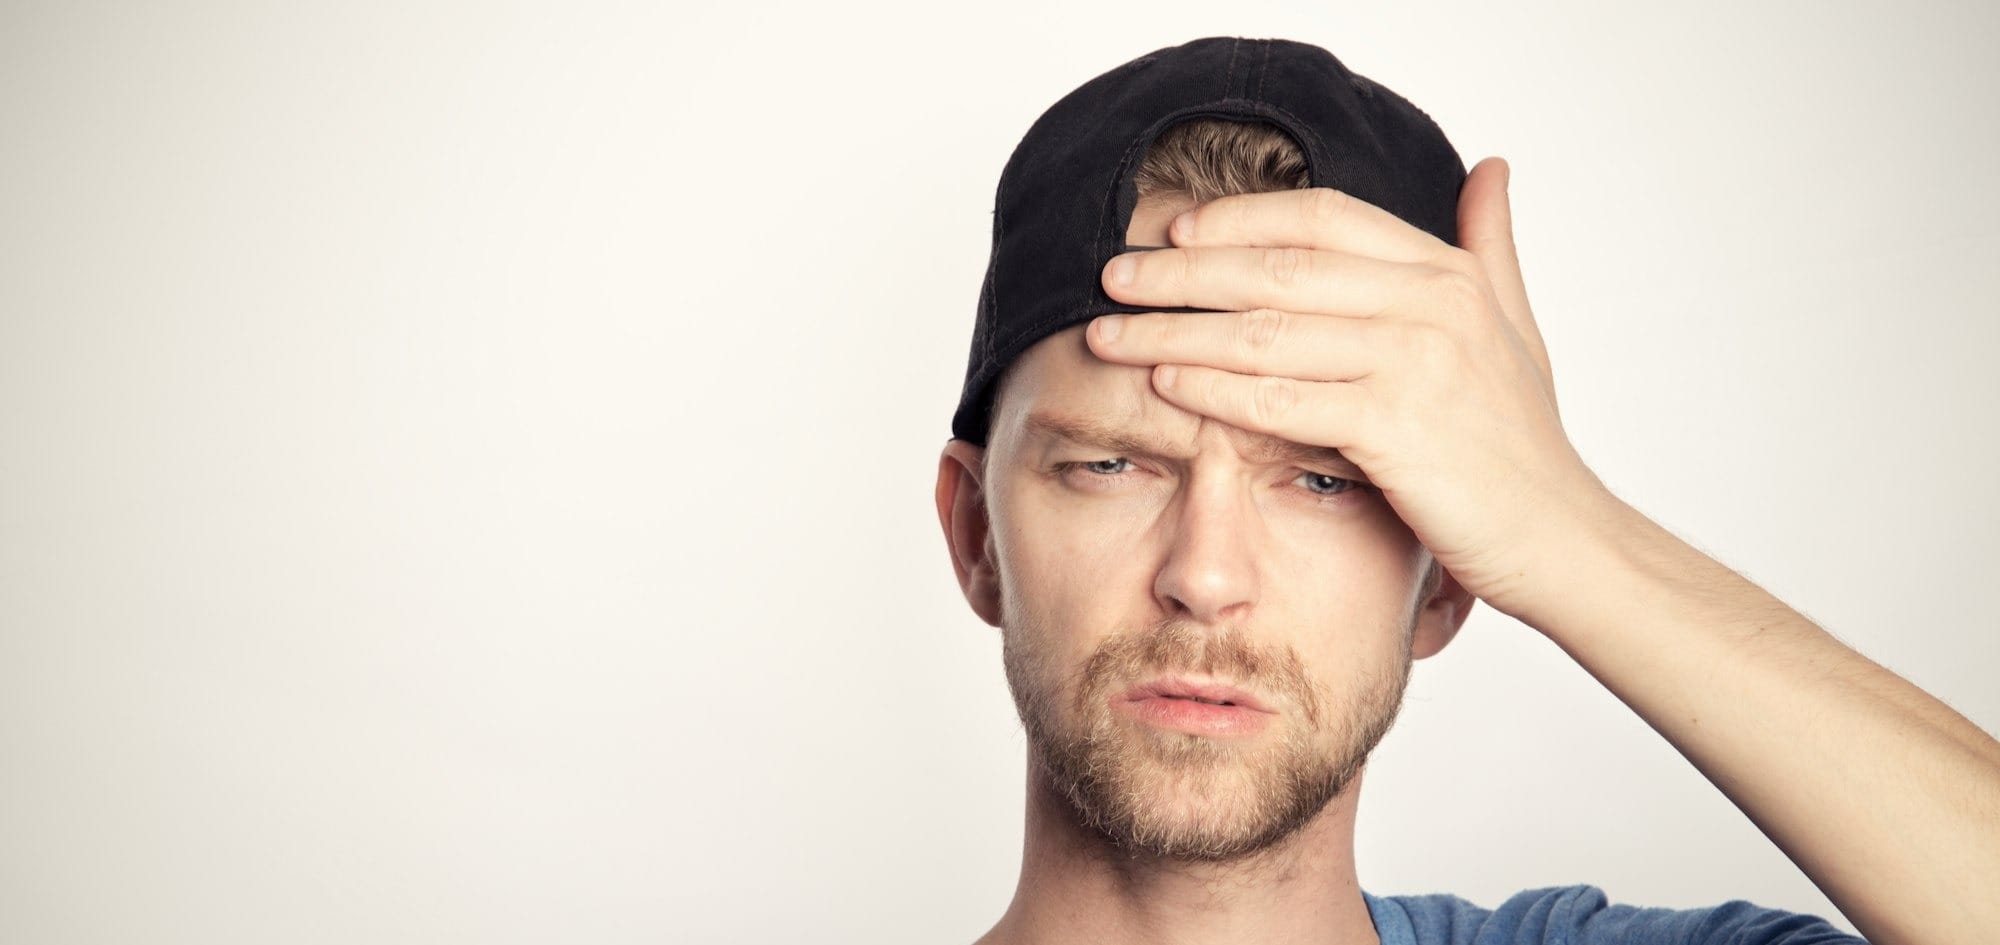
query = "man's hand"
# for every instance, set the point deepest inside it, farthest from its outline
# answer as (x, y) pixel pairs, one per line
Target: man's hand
(1348, 327)
(1421, 363)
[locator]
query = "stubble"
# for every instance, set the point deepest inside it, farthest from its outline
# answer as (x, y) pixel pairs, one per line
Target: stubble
(1188, 797)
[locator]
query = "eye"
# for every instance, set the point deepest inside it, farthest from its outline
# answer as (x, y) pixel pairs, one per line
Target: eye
(1323, 484)
(1100, 475)
(1096, 469)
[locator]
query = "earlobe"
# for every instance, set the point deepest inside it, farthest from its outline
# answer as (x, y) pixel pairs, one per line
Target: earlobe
(962, 512)
(1440, 615)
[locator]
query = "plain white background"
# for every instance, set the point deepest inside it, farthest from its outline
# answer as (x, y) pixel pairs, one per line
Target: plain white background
(465, 469)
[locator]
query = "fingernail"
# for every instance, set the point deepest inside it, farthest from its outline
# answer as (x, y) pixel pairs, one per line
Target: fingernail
(1167, 372)
(1109, 326)
(1184, 226)
(1122, 269)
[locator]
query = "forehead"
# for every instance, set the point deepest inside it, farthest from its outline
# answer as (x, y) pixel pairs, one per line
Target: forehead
(1060, 373)
(1059, 390)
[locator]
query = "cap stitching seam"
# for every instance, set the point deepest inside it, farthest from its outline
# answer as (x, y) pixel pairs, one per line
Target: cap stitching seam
(1263, 70)
(993, 283)
(1229, 76)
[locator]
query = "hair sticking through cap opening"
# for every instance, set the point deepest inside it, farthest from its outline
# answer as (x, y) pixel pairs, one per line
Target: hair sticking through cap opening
(1206, 158)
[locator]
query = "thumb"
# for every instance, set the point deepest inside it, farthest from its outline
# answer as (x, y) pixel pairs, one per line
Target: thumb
(1486, 229)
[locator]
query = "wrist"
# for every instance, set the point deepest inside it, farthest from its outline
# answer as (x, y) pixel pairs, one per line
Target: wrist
(1589, 553)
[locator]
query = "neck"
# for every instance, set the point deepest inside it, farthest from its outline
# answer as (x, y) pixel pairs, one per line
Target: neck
(1076, 887)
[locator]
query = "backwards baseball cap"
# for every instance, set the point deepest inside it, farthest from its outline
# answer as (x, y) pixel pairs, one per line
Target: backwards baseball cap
(1066, 195)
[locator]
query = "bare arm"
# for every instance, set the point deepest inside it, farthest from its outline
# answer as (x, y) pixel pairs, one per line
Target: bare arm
(1885, 797)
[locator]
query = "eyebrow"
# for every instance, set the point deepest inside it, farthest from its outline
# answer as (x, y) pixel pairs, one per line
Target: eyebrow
(1091, 431)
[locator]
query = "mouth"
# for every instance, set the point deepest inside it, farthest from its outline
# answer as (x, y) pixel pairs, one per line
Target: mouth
(1203, 709)
(1206, 709)
(1206, 692)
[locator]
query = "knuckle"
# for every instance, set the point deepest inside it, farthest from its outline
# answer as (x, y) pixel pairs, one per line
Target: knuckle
(1182, 272)
(1429, 344)
(1270, 399)
(1287, 265)
(1260, 329)
(1323, 206)
(1457, 290)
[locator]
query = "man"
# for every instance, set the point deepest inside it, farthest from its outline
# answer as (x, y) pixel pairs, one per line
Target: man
(1218, 494)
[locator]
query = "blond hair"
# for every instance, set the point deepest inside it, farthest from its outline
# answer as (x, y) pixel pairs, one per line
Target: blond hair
(1205, 158)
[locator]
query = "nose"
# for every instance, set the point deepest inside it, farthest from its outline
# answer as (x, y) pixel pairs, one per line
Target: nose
(1210, 573)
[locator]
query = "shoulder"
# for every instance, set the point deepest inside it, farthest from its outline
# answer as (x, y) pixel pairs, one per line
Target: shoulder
(1584, 915)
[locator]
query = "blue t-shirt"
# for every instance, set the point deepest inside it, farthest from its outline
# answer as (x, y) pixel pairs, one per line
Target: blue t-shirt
(1581, 915)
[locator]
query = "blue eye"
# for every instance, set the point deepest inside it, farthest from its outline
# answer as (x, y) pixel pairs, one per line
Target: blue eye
(1334, 485)
(1094, 474)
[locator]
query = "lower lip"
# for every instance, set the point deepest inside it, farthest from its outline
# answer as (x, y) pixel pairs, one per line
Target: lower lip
(1195, 718)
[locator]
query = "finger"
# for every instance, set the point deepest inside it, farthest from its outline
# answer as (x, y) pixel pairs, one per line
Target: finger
(1315, 218)
(1486, 227)
(1268, 342)
(1318, 413)
(1234, 278)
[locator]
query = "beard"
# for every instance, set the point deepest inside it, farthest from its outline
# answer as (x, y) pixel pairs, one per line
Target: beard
(1188, 797)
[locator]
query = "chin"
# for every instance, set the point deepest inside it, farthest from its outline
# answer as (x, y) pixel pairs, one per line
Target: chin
(1185, 797)
(1185, 821)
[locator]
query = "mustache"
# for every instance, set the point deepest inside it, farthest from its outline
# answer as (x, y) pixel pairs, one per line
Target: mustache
(1178, 646)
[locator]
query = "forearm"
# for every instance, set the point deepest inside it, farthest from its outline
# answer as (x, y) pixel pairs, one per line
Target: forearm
(1885, 797)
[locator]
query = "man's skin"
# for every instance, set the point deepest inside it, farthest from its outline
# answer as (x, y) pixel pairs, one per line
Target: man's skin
(1343, 326)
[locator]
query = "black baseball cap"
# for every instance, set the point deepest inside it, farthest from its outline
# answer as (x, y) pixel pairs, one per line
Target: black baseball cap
(1066, 195)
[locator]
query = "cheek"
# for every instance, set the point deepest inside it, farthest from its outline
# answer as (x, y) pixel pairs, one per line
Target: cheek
(1346, 585)
(1067, 579)
(1344, 574)
(1358, 552)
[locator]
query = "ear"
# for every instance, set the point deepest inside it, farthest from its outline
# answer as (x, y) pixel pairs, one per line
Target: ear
(1441, 614)
(961, 508)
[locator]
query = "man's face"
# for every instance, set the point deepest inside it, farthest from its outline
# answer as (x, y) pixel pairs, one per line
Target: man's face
(1206, 558)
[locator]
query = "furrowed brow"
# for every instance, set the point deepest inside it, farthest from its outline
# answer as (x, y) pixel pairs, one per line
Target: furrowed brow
(1274, 450)
(1091, 431)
